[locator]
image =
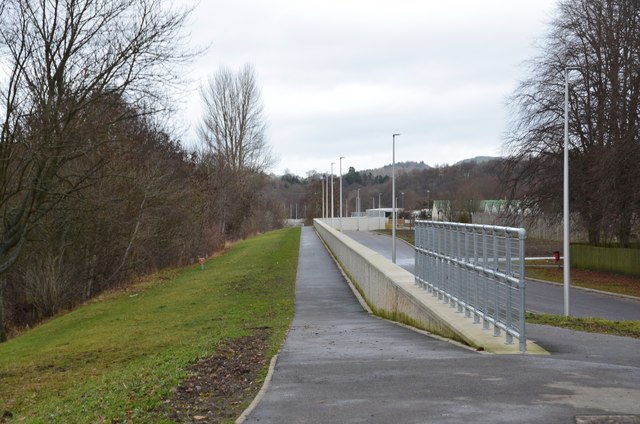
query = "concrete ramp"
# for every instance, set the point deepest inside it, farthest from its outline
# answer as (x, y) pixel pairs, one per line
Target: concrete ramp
(391, 292)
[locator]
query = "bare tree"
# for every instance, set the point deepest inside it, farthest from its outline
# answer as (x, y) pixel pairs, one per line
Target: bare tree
(233, 130)
(602, 38)
(65, 65)
(233, 125)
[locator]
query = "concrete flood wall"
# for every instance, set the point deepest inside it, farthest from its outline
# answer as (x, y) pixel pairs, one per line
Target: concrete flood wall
(356, 224)
(391, 292)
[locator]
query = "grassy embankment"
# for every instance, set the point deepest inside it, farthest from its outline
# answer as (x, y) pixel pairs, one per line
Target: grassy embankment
(592, 325)
(116, 358)
(544, 270)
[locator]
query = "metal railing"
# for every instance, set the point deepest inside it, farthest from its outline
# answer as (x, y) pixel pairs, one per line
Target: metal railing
(478, 269)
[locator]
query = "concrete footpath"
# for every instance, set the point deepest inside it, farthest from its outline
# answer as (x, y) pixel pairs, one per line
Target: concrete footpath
(341, 365)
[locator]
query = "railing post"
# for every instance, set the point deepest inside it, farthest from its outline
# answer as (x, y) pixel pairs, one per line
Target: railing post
(476, 278)
(416, 255)
(485, 260)
(439, 259)
(522, 235)
(467, 275)
(451, 268)
(507, 254)
(496, 285)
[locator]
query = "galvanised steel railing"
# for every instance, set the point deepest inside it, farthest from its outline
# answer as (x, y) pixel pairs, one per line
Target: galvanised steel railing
(478, 269)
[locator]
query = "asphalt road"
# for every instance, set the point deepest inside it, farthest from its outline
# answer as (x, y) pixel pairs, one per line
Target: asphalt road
(540, 297)
(341, 365)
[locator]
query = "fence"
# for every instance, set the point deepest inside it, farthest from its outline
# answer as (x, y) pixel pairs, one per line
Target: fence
(477, 268)
(611, 259)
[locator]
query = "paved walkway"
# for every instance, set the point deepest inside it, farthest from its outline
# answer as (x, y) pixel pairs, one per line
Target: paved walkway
(341, 365)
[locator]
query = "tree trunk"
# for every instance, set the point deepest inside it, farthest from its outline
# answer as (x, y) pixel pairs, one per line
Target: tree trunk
(90, 275)
(133, 237)
(3, 331)
(624, 231)
(593, 231)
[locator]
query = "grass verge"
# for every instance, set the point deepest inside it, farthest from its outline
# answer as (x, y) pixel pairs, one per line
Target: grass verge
(406, 235)
(605, 281)
(592, 325)
(116, 358)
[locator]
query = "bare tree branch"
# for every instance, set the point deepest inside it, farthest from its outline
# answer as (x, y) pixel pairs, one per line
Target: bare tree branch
(70, 65)
(602, 37)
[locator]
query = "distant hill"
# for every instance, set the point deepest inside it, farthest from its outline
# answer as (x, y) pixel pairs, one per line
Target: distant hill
(400, 168)
(477, 159)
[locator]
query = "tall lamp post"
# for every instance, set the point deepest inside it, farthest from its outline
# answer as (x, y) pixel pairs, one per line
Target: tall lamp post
(332, 163)
(341, 157)
(393, 201)
(322, 180)
(566, 234)
(327, 193)
(325, 200)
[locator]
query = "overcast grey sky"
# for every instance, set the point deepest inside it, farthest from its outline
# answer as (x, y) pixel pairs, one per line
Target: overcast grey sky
(339, 77)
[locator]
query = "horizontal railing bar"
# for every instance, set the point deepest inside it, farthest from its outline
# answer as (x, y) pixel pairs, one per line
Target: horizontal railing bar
(479, 269)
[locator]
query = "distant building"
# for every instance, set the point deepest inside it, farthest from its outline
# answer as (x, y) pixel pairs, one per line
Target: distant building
(441, 210)
(381, 212)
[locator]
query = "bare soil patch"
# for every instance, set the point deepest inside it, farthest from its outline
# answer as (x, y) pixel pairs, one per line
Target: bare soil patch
(220, 387)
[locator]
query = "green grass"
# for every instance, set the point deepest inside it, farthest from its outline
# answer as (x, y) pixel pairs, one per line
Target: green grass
(406, 235)
(592, 325)
(115, 359)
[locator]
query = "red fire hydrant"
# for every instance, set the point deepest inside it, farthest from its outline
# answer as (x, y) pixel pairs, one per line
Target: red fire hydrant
(556, 256)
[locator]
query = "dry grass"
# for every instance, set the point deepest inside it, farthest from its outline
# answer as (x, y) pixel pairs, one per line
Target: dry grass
(605, 281)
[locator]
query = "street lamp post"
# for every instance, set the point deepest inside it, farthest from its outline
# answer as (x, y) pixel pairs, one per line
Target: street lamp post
(326, 195)
(565, 203)
(327, 209)
(393, 200)
(332, 163)
(322, 180)
(379, 200)
(341, 157)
